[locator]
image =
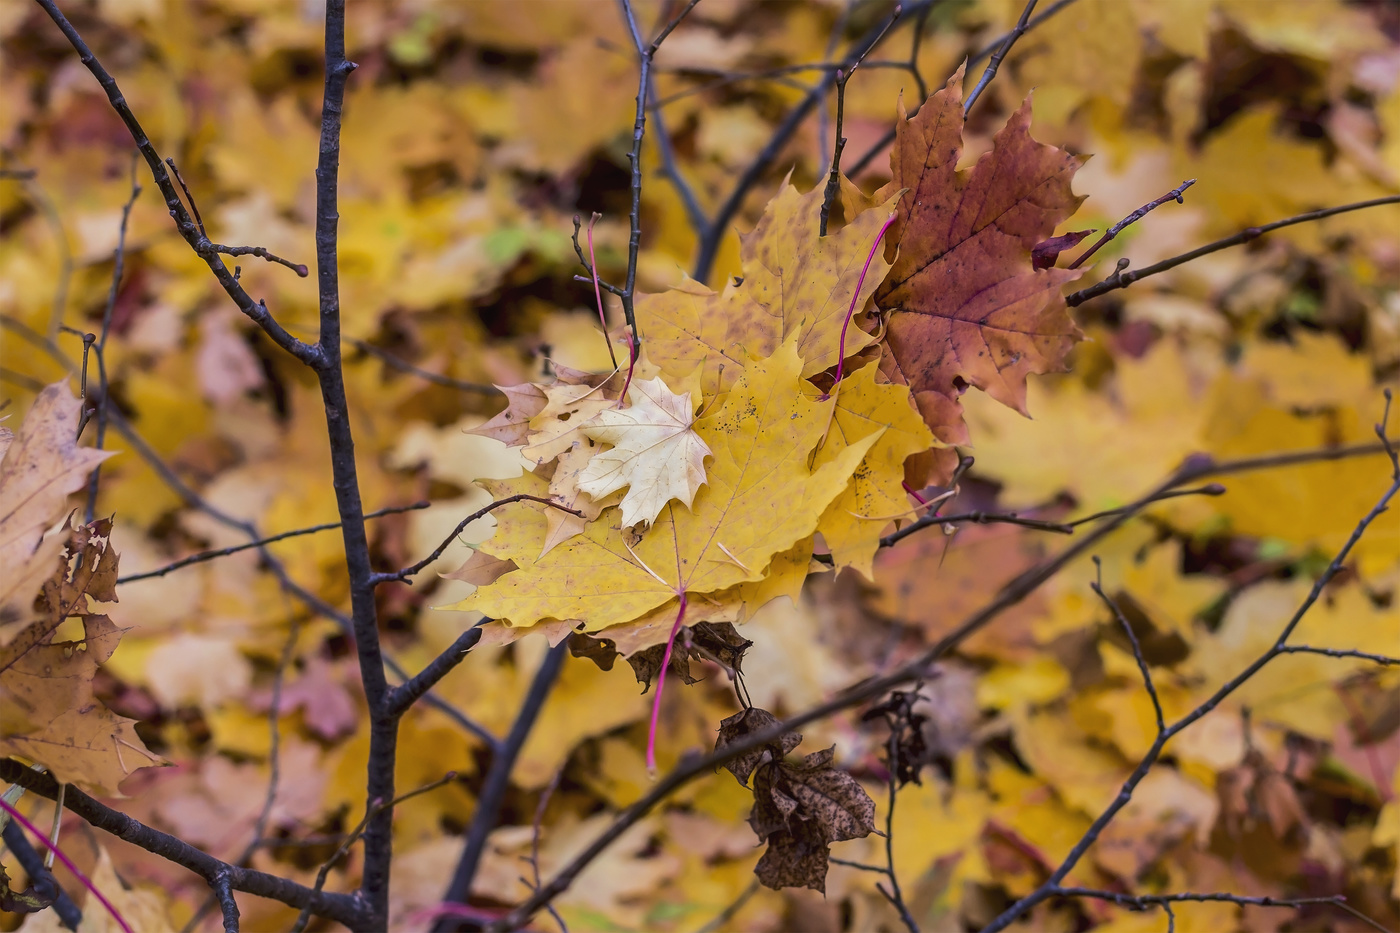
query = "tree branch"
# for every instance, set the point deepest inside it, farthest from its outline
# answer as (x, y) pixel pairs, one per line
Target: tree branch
(203, 556)
(405, 573)
(1125, 795)
(995, 63)
(101, 342)
(400, 698)
(404, 366)
(1012, 593)
(68, 913)
(1122, 279)
(184, 223)
(884, 141)
(709, 244)
(342, 908)
(493, 789)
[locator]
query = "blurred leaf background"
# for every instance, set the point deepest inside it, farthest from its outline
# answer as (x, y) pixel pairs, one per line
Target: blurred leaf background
(474, 132)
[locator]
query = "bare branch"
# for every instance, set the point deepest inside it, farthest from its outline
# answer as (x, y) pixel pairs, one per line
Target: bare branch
(995, 63)
(411, 690)
(709, 244)
(406, 367)
(184, 223)
(1382, 659)
(1097, 587)
(883, 142)
(1012, 593)
(40, 877)
(1125, 795)
(1176, 194)
(405, 573)
(843, 75)
(493, 789)
(203, 556)
(324, 873)
(1122, 279)
(101, 343)
(342, 908)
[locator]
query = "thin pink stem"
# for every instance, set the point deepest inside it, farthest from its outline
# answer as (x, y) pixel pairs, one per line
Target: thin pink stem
(68, 864)
(661, 682)
(841, 354)
(909, 489)
(597, 291)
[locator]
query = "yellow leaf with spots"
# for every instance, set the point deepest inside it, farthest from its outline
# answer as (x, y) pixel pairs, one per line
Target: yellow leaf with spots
(865, 408)
(761, 499)
(795, 285)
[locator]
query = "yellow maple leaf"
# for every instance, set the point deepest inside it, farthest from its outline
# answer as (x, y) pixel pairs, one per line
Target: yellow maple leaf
(656, 453)
(875, 495)
(795, 285)
(761, 499)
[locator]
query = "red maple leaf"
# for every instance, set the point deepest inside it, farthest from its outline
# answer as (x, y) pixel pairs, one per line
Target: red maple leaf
(968, 306)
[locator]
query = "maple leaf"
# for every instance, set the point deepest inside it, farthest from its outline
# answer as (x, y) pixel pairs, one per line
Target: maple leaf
(77, 738)
(968, 306)
(656, 453)
(41, 466)
(761, 438)
(796, 284)
(854, 521)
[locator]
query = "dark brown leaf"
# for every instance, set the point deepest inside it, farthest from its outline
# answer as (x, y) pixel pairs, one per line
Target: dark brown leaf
(794, 861)
(747, 722)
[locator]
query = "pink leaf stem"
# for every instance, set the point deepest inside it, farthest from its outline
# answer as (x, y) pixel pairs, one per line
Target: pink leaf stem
(68, 864)
(841, 354)
(661, 682)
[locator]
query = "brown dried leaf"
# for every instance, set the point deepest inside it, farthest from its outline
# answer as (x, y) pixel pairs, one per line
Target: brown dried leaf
(78, 739)
(746, 722)
(42, 465)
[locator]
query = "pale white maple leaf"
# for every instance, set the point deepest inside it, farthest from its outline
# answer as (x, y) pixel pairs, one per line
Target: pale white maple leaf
(655, 452)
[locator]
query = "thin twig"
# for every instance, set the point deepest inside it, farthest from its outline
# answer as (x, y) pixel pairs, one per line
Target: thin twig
(493, 788)
(404, 366)
(184, 223)
(722, 918)
(1122, 278)
(68, 913)
(101, 344)
(203, 556)
(1382, 659)
(274, 778)
(719, 226)
(843, 75)
(405, 573)
(261, 253)
(412, 690)
(1113, 607)
(884, 141)
(324, 872)
(995, 63)
(1176, 194)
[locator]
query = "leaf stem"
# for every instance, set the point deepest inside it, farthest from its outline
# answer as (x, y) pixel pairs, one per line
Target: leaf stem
(660, 685)
(855, 297)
